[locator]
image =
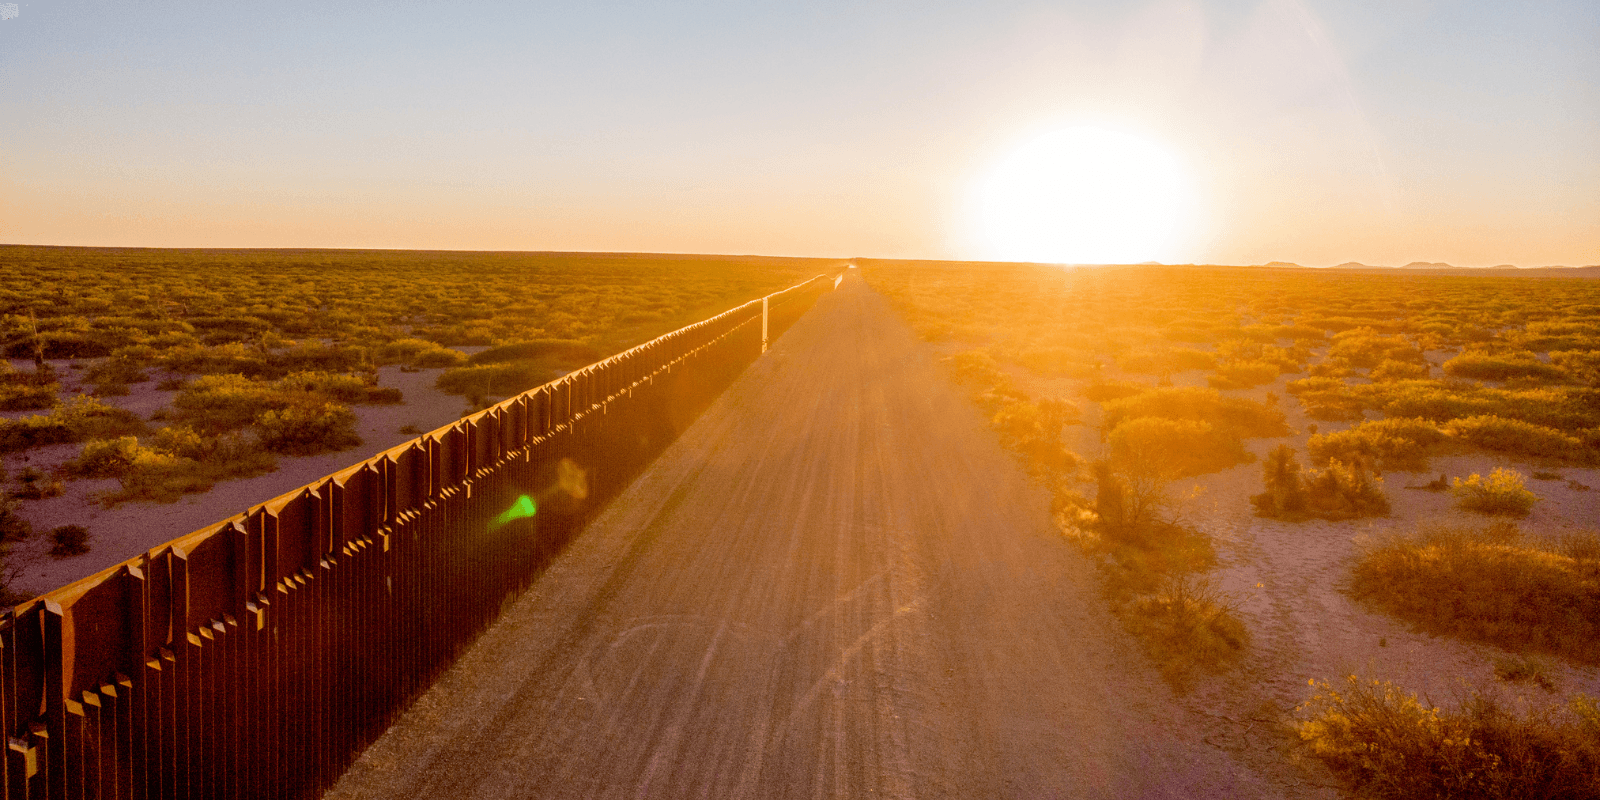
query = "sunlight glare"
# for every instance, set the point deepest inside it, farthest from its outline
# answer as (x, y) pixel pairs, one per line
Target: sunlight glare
(1083, 195)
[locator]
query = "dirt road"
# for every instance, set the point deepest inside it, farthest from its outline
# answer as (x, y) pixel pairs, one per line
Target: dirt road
(835, 584)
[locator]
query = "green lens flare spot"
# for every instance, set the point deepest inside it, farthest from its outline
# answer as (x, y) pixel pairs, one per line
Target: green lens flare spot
(522, 509)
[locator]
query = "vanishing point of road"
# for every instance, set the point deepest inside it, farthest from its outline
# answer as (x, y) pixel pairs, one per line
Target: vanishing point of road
(834, 584)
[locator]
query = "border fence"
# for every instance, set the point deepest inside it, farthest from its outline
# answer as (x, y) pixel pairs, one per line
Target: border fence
(255, 658)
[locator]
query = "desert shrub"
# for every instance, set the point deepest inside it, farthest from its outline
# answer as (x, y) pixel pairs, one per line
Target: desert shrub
(1390, 444)
(309, 429)
(22, 397)
(1238, 416)
(1103, 391)
(13, 528)
(78, 420)
(343, 388)
(317, 357)
(33, 484)
(1283, 493)
(1331, 368)
(1173, 448)
(1517, 437)
(1497, 586)
(1363, 347)
(1502, 367)
(1032, 429)
(419, 353)
(502, 379)
(114, 371)
(69, 540)
(232, 359)
(1345, 491)
(1243, 375)
(1502, 493)
(104, 458)
(73, 344)
(973, 368)
(1068, 361)
(1390, 744)
(216, 403)
(1391, 370)
(554, 351)
(1580, 366)
(177, 460)
(1187, 623)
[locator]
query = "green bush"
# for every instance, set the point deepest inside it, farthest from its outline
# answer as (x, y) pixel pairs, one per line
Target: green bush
(1390, 444)
(1503, 493)
(1390, 744)
(304, 430)
(35, 485)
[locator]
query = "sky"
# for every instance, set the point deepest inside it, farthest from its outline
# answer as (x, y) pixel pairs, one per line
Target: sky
(1379, 131)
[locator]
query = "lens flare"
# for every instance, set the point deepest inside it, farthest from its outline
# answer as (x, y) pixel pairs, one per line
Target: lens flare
(522, 509)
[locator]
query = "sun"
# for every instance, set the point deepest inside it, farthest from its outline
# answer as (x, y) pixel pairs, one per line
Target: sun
(1082, 195)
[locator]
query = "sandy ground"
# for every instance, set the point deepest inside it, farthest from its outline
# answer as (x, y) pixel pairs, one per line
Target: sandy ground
(131, 528)
(1286, 577)
(835, 584)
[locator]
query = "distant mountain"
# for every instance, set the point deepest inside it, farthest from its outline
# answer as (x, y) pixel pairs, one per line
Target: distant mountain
(1283, 265)
(1427, 265)
(1358, 265)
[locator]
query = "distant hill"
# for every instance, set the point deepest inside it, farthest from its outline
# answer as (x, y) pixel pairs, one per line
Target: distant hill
(1441, 268)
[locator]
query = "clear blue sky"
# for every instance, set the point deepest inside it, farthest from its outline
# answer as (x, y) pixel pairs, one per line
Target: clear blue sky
(1317, 132)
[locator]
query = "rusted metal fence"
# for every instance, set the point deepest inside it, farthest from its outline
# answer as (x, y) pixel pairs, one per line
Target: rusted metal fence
(256, 657)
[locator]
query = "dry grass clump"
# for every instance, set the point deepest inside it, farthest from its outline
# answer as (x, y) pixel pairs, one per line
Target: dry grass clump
(1497, 586)
(1390, 744)
(1503, 493)
(1339, 491)
(1390, 444)
(1187, 623)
